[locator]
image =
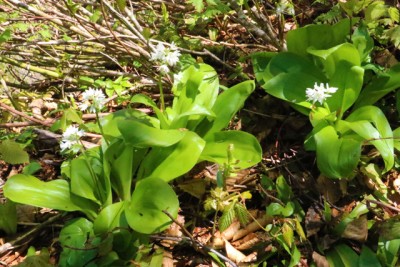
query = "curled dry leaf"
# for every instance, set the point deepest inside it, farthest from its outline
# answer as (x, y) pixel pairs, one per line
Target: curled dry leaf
(260, 222)
(232, 253)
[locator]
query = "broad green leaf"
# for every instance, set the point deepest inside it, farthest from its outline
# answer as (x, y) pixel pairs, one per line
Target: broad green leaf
(277, 209)
(368, 258)
(260, 62)
(12, 152)
(284, 191)
(245, 149)
(348, 79)
(342, 255)
(168, 163)
(55, 194)
(322, 36)
(381, 135)
(146, 100)
(87, 177)
(110, 122)
(195, 95)
(379, 86)
(120, 162)
(388, 251)
(109, 218)
(8, 217)
(336, 157)
(145, 211)
(290, 76)
(75, 238)
(332, 58)
(227, 105)
(363, 42)
(140, 135)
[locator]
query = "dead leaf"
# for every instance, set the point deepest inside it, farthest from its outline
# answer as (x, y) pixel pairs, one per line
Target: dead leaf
(320, 260)
(357, 229)
(313, 221)
(233, 254)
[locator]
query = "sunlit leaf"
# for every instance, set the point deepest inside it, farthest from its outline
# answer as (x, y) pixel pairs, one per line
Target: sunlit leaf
(151, 197)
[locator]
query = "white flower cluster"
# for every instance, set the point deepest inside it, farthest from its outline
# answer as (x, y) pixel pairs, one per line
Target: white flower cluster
(166, 56)
(70, 139)
(320, 92)
(93, 100)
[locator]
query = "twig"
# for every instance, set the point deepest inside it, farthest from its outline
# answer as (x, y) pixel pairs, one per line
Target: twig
(13, 243)
(197, 244)
(23, 115)
(383, 205)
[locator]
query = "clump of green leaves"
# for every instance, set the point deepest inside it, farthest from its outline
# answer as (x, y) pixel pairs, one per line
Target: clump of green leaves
(123, 184)
(346, 121)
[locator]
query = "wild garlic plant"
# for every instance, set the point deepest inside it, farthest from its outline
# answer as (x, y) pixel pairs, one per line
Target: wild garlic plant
(323, 78)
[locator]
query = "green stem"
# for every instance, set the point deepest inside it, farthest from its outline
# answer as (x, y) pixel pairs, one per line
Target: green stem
(101, 127)
(162, 105)
(93, 174)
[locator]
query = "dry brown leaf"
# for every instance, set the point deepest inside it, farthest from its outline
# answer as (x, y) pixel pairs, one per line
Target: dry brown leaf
(253, 226)
(320, 260)
(357, 229)
(233, 254)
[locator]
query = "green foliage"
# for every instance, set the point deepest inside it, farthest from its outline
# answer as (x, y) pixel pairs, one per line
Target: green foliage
(139, 155)
(8, 217)
(34, 260)
(12, 152)
(310, 60)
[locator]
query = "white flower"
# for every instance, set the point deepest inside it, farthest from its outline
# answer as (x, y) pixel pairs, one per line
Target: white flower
(159, 53)
(172, 57)
(93, 100)
(70, 139)
(163, 69)
(320, 92)
(178, 77)
(165, 56)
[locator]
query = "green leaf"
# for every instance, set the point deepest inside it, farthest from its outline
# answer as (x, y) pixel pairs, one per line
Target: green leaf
(390, 229)
(110, 122)
(381, 136)
(388, 251)
(144, 99)
(277, 209)
(344, 153)
(368, 258)
(289, 75)
(109, 218)
(332, 58)
(168, 163)
(379, 86)
(322, 36)
(195, 95)
(198, 4)
(342, 255)
(12, 152)
(5, 36)
(78, 249)
(32, 168)
(55, 194)
(284, 191)
(227, 217)
(40, 260)
(87, 177)
(120, 163)
(145, 211)
(246, 150)
(140, 135)
(363, 42)
(226, 106)
(8, 217)
(349, 80)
